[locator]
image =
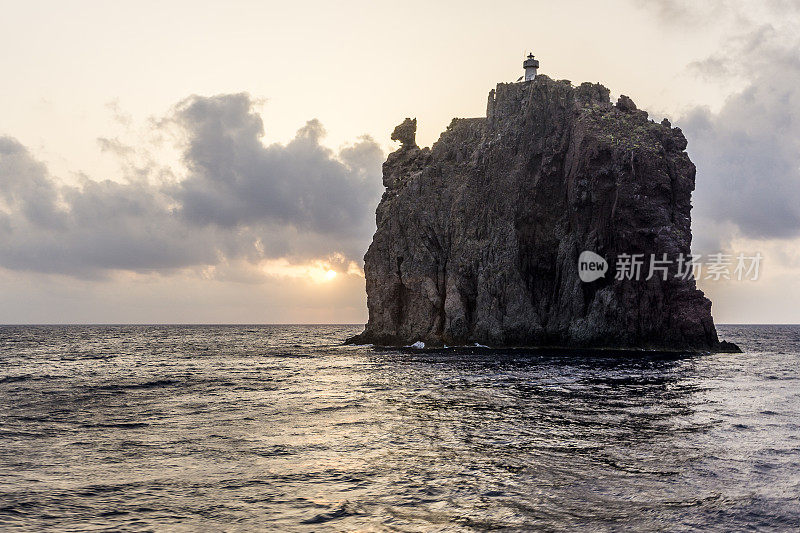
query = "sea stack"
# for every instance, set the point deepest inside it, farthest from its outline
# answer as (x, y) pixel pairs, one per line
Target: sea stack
(479, 237)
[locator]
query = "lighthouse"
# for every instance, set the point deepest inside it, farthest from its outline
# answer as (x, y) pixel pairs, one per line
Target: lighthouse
(530, 66)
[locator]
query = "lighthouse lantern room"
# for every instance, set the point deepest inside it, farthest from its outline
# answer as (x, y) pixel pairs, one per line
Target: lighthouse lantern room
(530, 65)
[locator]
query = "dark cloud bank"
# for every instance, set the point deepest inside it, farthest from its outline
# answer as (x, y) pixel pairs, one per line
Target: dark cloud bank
(240, 200)
(748, 154)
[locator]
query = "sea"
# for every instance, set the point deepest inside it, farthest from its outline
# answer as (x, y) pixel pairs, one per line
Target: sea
(285, 428)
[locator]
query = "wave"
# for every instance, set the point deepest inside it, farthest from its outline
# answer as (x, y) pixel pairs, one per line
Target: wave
(144, 385)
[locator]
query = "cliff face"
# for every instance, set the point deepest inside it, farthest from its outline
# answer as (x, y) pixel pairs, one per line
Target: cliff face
(479, 236)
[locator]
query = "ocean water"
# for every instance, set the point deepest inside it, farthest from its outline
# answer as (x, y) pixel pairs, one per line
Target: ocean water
(282, 428)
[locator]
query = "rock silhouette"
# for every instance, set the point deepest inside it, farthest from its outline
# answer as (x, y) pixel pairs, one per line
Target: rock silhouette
(478, 237)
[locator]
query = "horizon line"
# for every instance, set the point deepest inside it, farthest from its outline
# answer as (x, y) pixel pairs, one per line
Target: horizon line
(15, 324)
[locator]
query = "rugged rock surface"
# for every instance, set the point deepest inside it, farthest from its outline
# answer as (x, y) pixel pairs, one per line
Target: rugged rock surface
(479, 236)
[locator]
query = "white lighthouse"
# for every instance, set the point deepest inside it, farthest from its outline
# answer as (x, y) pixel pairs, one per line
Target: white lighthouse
(530, 66)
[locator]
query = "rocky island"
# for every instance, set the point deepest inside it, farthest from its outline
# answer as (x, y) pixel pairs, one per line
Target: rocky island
(479, 237)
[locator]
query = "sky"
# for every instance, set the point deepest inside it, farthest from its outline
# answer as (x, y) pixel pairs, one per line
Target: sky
(219, 162)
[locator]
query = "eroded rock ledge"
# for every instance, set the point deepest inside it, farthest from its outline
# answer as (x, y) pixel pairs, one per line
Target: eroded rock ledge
(479, 236)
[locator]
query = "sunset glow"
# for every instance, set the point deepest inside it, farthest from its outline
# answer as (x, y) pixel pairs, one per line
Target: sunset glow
(317, 271)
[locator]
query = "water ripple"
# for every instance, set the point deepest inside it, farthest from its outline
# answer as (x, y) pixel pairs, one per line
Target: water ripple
(280, 428)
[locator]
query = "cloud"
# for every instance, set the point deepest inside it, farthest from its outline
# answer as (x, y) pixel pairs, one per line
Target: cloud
(235, 180)
(684, 12)
(240, 201)
(748, 153)
(25, 189)
(738, 13)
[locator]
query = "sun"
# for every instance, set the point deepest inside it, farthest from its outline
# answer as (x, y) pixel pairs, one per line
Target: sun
(320, 273)
(315, 271)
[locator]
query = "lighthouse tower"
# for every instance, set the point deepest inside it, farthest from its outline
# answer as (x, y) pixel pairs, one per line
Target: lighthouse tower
(530, 66)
